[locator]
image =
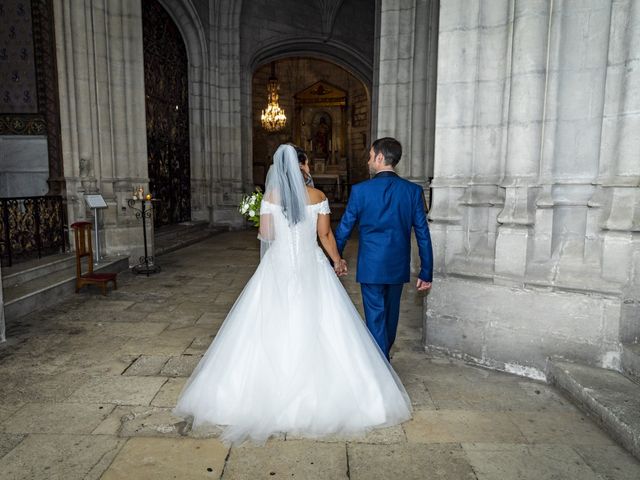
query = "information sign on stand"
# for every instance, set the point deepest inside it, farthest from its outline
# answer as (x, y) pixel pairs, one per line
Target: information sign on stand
(95, 203)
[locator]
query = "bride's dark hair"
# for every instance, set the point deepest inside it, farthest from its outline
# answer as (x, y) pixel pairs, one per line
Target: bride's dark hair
(285, 184)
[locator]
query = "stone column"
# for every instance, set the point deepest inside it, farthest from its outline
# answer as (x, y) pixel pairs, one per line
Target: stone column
(232, 165)
(102, 111)
(524, 135)
(563, 277)
(618, 197)
(406, 46)
(405, 80)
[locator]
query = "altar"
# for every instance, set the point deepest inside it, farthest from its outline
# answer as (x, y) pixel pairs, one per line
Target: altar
(332, 184)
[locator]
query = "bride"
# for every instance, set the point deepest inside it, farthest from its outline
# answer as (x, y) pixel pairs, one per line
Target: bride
(293, 354)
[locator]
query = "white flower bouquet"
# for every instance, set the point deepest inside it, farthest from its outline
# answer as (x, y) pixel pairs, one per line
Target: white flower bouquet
(249, 207)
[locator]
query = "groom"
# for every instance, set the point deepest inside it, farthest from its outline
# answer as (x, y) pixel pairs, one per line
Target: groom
(385, 209)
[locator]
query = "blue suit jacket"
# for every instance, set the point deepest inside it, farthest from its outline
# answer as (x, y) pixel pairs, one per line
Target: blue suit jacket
(385, 208)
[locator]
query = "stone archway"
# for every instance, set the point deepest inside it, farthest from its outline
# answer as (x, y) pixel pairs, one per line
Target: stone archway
(188, 22)
(328, 112)
(167, 115)
(353, 65)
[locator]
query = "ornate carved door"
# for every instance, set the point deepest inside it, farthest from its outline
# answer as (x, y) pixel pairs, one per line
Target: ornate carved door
(167, 109)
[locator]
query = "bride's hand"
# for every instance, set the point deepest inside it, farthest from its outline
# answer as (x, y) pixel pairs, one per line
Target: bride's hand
(340, 267)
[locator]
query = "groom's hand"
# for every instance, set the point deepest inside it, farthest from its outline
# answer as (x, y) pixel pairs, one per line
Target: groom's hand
(341, 268)
(423, 286)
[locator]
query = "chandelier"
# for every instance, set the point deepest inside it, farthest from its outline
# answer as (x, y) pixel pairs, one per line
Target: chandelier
(273, 118)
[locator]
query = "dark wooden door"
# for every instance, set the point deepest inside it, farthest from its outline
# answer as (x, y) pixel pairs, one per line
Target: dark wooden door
(167, 108)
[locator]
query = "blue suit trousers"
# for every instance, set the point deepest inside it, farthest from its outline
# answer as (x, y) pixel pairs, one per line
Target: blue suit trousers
(381, 310)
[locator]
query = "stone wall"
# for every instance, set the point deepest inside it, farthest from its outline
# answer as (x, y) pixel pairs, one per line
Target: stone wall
(535, 218)
(25, 165)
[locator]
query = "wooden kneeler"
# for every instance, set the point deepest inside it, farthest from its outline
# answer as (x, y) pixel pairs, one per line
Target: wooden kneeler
(84, 248)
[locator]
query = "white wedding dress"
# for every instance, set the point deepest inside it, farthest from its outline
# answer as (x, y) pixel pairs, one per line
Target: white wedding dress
(293, 354)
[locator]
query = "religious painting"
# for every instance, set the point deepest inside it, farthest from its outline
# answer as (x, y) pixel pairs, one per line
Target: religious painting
(321, 135)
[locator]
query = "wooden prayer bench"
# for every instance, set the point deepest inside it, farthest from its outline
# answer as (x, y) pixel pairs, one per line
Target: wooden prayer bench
(84, 248)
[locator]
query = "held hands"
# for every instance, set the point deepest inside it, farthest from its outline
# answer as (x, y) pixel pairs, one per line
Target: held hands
(340, 267)
(423, 286)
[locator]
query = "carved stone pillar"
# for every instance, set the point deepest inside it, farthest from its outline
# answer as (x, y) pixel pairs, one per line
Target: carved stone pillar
(405, 81)
(560, 138)
(524, 134)
(103, 131)
(618, 196)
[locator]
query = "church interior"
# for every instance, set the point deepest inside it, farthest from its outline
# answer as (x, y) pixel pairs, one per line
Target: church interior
(130, 131)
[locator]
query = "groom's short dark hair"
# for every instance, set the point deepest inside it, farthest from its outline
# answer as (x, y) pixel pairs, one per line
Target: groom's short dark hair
(390, 148)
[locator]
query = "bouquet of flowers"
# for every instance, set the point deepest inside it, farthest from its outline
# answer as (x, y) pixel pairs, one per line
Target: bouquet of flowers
(249, 207)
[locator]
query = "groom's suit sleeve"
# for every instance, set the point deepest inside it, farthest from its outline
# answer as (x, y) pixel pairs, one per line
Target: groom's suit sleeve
(348, 221)
(421, 228)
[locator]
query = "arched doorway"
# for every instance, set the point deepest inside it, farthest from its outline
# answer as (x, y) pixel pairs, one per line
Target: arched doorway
(328, 114)
(167, 113)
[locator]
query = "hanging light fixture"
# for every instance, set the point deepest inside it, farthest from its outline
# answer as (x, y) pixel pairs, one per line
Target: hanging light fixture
(273, 118)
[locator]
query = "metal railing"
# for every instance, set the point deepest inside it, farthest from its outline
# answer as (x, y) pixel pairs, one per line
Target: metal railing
(31, 227)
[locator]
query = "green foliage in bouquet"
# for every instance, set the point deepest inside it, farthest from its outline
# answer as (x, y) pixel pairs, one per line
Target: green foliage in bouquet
(249, 207)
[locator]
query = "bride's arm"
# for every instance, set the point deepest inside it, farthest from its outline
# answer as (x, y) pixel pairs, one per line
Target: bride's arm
(327, 239)
(265, 231)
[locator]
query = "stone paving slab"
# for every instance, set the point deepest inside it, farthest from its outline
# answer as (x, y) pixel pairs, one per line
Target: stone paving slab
(173, 317)
(28, 387)
(492, 393)
(287, 459)
(96, 364)
(147, 307)
(56, 418)
(386, 435)
(527, 462)
(455, 426)
(566, 428)
(146, 366)
(8, 409)
(610, 462)
(8, 441)
(152, 422)
(213, 316)
(119, 390)
(118, 329)
(409, 462)
(168, 395)
(164, 458)
(181, 366)
(60, 457)
(158, 345)
(199, 345)
(418, 393)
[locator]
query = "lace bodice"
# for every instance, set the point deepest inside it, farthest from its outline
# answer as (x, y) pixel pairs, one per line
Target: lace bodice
(300, 238)
(319, 208)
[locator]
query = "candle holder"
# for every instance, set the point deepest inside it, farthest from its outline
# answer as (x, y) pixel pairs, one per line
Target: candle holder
(146, 266)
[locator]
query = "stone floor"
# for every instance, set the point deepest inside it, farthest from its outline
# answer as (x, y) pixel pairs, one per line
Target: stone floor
(86, 391)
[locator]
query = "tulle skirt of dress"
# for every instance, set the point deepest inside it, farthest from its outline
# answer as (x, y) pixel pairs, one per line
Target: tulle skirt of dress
(293, 355)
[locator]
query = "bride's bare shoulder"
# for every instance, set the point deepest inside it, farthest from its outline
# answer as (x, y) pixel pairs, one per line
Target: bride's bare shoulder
(315, 195)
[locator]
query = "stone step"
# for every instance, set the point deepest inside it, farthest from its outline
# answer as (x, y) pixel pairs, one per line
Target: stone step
(50, 288)
(609, 397)
(631, 361)
(173, 237)
(23, 272)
